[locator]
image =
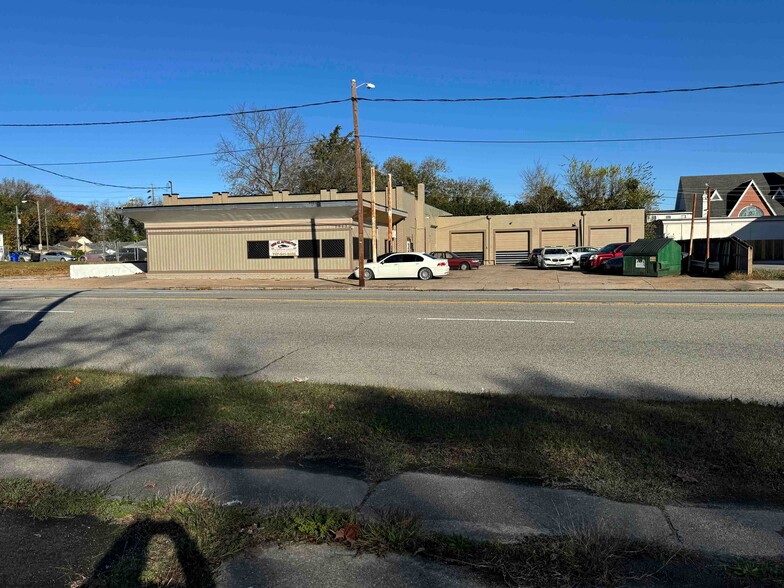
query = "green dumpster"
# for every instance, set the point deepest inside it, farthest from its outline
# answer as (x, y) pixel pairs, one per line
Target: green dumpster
(652, 257)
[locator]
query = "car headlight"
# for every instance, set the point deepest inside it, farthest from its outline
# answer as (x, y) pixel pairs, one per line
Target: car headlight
(592, 257)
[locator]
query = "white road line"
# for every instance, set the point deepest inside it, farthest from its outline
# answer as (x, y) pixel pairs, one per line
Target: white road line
(38, 311)
(481, 320)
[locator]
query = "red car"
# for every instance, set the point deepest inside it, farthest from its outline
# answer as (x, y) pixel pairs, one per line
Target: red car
(455, 261)
(595, 260)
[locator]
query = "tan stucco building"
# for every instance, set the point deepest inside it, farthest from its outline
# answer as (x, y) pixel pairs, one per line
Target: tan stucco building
(247, 235)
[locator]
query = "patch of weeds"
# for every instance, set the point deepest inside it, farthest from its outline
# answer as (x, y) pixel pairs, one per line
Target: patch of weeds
(757, 275)
(762, 572)
(393, 530)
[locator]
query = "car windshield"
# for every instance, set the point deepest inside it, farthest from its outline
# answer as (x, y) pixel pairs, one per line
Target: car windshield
(555, 251)
(428, 255)
(608, 248)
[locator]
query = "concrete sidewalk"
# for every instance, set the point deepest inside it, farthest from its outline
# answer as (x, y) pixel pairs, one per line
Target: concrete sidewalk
(470, 506)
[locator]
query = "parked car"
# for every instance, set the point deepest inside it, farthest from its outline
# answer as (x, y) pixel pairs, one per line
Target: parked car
(554, 257)
(132, 254)
(406, 265)
(614, 265)
(578, 252)
(57, 256)
(455, 261)
(94, 256)
(22, 255)
(533, 259)
(594, 260)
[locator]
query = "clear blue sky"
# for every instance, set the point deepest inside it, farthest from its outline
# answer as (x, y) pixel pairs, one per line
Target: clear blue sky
(98, 60)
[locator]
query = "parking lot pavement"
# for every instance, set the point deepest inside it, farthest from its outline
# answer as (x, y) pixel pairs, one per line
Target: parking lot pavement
(490, 277)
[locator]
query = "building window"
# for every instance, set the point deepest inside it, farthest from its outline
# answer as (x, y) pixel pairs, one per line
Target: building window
(258, 250)
(333, 248)
(308, 248)
(752, 211)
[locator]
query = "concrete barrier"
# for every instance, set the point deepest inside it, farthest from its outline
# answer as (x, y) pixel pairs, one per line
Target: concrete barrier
(103, 270)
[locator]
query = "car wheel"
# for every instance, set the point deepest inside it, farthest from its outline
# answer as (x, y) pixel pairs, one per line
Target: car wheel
(425, 274)
(369, 275)
(43, 260)
(464, 266)
(82, 258)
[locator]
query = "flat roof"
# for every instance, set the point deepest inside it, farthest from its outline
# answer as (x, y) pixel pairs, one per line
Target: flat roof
(251, 211)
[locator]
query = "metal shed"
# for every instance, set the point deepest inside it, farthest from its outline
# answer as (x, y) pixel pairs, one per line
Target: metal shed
(652, 257)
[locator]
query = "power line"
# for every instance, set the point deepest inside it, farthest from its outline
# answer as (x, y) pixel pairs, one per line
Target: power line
(73, 178)
(165, 157)
(175, 118)
(573, 96)
(571, 141)
(413, 139)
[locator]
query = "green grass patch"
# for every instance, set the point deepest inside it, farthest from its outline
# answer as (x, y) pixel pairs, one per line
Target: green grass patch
(757, 275)
(33, 269)
(633, 450)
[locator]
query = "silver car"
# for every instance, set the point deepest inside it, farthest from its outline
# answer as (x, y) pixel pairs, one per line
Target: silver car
(57, 256)
(554, 257)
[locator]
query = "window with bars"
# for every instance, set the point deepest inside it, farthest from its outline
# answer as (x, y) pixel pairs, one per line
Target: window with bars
(308, 248)
(258, 250)
(333, 248)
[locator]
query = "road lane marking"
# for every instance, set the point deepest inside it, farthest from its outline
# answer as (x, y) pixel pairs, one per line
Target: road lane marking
(37, 311)
(717, 305)
(482, 320)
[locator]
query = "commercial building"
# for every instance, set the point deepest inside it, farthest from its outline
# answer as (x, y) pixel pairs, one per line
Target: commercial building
(283, 234)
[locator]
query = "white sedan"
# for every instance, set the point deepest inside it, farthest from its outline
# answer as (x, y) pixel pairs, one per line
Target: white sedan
(554, 257)
(406, 265)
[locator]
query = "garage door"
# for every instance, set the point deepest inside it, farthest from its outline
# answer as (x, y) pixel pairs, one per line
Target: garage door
(468, 245)
(564, 237)
(601, 236)
(511, 246)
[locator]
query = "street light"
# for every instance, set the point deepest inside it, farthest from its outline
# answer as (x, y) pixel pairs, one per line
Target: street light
(360, 199)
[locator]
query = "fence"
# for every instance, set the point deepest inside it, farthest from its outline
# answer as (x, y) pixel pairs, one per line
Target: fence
(728, 254)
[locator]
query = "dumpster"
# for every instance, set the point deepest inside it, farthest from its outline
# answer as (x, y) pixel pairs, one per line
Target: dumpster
(653, 258)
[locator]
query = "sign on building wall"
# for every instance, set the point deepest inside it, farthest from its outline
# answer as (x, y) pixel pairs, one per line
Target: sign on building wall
(284, 248)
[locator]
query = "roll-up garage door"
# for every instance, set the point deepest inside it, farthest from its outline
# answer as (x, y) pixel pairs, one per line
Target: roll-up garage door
(511, 246)
(468, 245)
(563, 237)
(601, 236)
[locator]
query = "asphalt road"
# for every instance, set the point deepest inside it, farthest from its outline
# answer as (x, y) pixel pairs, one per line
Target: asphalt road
(618, 344)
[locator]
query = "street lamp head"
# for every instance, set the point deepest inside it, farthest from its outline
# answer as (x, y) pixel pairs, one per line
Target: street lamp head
(370, 86)
(24, 201)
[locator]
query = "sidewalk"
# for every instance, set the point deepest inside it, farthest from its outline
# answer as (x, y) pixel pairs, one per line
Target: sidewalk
(474, 507)
(488, 278)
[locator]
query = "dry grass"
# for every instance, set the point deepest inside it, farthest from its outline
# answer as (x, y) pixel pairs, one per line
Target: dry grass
(757, 275)
(33, 270)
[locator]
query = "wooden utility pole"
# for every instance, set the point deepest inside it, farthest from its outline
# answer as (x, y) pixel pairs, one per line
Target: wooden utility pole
(691, 233)
(389, 212)
(46, 227)
(373, 212)
(707, 231)
(360, 199)
(40, 241)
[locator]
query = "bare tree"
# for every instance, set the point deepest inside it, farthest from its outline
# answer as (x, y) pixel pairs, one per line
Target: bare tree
(268, 152)
(540, 191)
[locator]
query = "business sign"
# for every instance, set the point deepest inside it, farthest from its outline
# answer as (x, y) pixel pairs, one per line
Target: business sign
(639, 263)
(284, 248)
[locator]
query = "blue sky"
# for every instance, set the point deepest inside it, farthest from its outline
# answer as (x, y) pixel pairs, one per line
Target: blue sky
(75, 61)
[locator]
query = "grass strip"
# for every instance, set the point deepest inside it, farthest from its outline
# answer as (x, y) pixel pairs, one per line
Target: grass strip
(653, 452)
(757, 275)
(19, 269)
(185, 537)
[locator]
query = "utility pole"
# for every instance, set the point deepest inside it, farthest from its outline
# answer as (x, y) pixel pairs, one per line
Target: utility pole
(707, 230)
(40, 242)
(389, 212)
(46, 227)
(360, 202)
(18, 238)
(373, 212)
(691, 233)
(151, 192)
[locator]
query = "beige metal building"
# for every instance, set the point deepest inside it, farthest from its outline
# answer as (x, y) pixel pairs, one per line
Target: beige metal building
(282, 234)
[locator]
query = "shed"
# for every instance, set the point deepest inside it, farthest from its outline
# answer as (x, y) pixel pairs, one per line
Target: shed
(652, 257)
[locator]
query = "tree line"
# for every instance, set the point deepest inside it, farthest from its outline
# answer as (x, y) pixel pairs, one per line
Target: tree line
(273, 151)
(59, 220)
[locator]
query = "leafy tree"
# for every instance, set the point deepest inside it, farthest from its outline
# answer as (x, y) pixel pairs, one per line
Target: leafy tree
(540, 192)
(592, 187)
(331, 164)
(468, 196)
(430, 172)
(122, 228)
(267, 154)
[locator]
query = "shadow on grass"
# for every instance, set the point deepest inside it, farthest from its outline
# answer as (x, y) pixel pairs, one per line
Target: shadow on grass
(125, 562)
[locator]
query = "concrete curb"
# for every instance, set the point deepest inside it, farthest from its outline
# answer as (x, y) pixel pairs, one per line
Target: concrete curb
(474, 507)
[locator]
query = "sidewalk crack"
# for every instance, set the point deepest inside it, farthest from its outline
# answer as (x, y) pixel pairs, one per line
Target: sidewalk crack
(371, 489)
(133, 469)
(675, 532)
